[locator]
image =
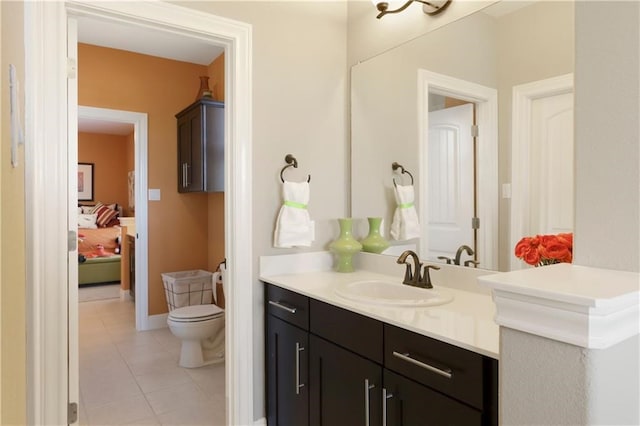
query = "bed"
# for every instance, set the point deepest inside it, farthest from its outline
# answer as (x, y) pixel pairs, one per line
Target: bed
(98, 245)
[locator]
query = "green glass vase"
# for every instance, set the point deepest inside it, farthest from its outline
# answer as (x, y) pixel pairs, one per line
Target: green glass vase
(374, 242)
(345, 246)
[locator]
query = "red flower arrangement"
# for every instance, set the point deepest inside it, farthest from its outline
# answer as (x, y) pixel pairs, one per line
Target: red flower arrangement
(545, 249)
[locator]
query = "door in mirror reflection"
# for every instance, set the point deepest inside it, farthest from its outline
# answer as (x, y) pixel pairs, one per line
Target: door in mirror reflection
(542, 162)
(451, 175)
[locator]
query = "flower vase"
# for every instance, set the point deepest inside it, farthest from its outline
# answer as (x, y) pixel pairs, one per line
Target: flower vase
(345, 246)
(374, 242)
(204, 91)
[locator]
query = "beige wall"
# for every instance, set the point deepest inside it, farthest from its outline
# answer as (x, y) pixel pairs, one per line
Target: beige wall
(108, 153)
(12, 233)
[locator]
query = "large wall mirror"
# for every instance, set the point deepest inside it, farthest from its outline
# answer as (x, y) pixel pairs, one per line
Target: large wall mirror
(480, 111)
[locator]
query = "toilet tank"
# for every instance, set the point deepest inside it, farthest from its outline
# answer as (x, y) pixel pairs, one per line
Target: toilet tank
(186, 288)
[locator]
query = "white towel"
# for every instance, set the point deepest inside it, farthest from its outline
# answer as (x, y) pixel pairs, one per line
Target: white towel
(405, 225)
(294, 227)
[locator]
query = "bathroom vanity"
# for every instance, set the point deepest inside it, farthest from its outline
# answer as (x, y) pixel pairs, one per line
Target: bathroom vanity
(331, 361)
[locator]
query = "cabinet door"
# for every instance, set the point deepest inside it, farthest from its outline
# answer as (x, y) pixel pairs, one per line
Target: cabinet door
(345, 388)
(412, 404)
(190, 151)
(287, 374)
(132, 267)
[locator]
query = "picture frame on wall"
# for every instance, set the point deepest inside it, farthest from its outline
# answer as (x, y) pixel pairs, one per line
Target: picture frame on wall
(85, 181)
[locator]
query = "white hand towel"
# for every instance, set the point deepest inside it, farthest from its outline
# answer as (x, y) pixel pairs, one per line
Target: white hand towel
(294, 227)
(405, 225)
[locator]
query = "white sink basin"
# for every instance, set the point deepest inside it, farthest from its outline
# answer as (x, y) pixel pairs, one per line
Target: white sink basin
(388, 293)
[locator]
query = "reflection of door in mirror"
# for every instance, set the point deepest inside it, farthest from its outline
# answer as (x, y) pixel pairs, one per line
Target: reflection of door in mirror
(543, 159)
(451, 176)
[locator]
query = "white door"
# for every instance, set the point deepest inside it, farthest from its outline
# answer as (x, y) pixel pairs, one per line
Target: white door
(450, 191)
(551, 191)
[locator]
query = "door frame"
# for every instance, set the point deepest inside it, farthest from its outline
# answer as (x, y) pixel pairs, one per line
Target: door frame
(48, 110)
(140, 132)
(486, 100)
(523, 97)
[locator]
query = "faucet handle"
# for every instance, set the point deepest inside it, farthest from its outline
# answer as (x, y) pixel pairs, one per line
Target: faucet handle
(426, 278)
(471, 262)
(408, 275)
(447, 259)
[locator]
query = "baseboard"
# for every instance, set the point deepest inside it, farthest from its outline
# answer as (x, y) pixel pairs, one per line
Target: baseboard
(125, 295)
(157, 321)
(261, 422)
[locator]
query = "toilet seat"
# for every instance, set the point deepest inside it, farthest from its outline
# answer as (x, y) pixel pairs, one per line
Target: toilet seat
(196, 313)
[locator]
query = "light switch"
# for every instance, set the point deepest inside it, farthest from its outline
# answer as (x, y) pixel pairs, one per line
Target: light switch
(154, 194)
(506, 190)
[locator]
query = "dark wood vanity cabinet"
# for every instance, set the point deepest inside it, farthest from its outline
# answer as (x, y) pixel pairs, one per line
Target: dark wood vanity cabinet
(201, 147)
(287, 355)
(359, 371)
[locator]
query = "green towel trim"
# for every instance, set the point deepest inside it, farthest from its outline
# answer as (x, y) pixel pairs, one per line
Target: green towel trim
(294, 204)
(405, 205)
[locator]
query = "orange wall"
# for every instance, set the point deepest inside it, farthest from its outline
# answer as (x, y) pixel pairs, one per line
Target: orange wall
(216, 200)
(178, 223)
(108, 154)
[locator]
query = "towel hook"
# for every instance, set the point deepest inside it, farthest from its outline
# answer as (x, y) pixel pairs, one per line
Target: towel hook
(395, 166)
(291, 162)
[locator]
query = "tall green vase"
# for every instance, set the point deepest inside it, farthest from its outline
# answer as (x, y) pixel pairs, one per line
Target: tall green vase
(345, 246)
(374, 242)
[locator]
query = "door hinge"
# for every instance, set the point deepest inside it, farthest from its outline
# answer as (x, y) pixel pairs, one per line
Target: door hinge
(475, 223)
(72, 240)
(72, 68)
(474, 130)
(72, 412)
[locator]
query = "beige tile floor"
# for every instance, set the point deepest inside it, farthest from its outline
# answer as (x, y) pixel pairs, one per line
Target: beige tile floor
(129, 377)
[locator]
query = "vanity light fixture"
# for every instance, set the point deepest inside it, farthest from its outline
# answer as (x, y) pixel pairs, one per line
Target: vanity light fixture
(431, 7)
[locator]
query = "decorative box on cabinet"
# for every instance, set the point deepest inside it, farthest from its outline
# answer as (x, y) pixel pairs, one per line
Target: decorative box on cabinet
(330, 366)
(201, 147)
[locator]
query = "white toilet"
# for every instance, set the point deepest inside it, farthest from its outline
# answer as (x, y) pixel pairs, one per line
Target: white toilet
(193, 319)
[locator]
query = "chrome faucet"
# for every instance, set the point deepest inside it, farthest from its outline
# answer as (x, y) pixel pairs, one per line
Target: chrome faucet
(415, 278)
(462, 248)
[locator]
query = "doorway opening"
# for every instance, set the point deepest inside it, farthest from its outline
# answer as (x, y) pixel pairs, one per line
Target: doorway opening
(52, 380)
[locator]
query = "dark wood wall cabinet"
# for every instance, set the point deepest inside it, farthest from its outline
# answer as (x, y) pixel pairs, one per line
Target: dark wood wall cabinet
(330, 366)
(201, 147)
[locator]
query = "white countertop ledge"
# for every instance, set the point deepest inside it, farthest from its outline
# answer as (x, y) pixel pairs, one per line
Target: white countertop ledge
(466, 322)
(589, 307)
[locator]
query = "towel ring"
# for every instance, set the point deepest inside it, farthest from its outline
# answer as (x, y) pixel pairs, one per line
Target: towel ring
(395, 166)
(291, 162)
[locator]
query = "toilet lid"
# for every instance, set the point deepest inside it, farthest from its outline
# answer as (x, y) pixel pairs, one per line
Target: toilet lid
(196, 313)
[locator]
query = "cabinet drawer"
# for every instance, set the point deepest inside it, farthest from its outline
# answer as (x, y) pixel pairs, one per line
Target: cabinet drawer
(289, 306)
(353, 331)
(451, 370)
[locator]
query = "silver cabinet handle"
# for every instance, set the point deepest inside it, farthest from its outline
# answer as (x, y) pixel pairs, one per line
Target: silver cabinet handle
(184, 175)
(367, 388)
(406, 357)
(385, 395)
(298, 384)
(283, 307)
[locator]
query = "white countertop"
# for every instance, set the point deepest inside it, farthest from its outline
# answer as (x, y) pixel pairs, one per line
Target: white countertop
(466, 322)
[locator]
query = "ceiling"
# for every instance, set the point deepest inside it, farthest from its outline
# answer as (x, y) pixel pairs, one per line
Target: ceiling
(142, 40)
